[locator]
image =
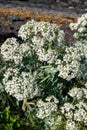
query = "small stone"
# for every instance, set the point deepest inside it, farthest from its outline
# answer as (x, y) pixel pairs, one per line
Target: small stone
(12, 18)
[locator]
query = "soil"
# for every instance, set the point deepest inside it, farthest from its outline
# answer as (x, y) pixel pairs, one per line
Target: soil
(13, 14)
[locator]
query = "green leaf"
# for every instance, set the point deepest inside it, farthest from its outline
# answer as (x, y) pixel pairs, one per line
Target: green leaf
(9, 126)
(1, 88)
(44, 79)
(44, 67)
(7, 113)
(85, 42)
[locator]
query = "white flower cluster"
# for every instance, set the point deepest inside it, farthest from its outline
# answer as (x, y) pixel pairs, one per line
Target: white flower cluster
(49, 56)
(69, 67)
(45, 109)
(67, 110)
(43, 31)
(20, 86)
(9, 50)
(79, 109)
(76, 112)
(42, 34)
(71, 125)
(36, 35)
(79, 93)
(80, 113)
(53, 122)
(80, 27)
(81, 50)
(13, 51)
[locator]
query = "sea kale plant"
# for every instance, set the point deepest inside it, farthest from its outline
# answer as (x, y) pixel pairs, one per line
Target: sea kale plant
(48, 76)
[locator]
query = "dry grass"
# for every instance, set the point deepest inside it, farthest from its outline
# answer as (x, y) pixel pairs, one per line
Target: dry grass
(26, 14)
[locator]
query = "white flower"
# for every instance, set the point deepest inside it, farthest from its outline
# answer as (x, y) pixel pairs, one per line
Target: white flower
(84, 23)
(52, 99)
(73, 26)
(69, 67)
(80, 113)
(75, 112)
(9, 49)
(73, 92)
(52, 121)
(86, 84)
(20, 86)
(42, 30)
(67, 107)
(81, 27)
(70, 125)
(45, 109)
(13, 51)
(76, 35)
